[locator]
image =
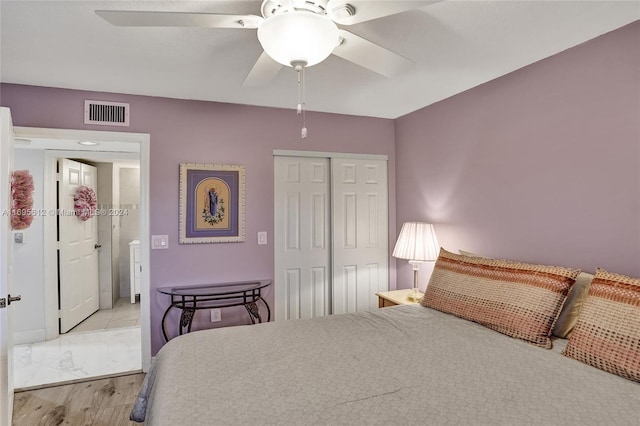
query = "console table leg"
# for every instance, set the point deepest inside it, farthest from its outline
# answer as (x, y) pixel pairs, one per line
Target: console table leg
(186, 318)
(164, 331)
(254, 313)
(268, 309)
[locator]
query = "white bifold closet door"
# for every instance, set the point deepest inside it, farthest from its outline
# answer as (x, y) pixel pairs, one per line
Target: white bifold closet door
(331, 247)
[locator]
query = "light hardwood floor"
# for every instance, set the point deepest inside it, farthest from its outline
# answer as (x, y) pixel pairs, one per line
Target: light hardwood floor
(104, 402)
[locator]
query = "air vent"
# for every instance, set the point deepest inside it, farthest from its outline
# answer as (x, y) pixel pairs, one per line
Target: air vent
(106, 113)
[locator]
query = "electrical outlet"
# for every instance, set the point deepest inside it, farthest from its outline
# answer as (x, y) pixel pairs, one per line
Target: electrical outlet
(216, 315)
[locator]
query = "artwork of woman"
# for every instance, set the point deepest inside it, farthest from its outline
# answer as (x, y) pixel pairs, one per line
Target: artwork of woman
(212, 198)
(213, 201)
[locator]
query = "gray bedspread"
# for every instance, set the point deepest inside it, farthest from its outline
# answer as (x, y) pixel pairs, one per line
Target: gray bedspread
(400, 365)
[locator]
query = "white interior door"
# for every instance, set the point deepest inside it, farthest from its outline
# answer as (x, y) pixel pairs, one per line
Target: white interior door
(6, 264)
(360, 237)
(301, 237)
(79, 287)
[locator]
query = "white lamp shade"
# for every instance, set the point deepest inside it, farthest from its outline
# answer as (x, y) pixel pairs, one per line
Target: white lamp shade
(298, 36)
(417, 241)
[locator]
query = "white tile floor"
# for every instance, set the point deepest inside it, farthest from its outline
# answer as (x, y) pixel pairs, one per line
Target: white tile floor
(124, 314)
(108, 342)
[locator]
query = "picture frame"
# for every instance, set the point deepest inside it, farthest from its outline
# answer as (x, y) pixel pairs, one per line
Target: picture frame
(212, 203)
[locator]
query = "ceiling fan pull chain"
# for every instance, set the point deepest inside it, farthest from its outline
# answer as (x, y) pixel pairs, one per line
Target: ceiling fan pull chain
(299, 109)
(299, 66)
(303, 133)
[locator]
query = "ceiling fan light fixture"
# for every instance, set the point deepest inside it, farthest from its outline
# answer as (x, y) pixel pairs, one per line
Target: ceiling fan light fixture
(298, 36)
(343, 11)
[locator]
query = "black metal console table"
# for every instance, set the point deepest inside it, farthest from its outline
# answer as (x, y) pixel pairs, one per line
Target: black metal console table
(189, 299)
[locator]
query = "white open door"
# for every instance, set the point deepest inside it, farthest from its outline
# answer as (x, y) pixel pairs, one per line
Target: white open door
(360, 236)
(6, 264)
(78, 248)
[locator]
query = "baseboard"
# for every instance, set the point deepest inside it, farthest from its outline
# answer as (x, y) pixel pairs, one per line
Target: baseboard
(26, 337)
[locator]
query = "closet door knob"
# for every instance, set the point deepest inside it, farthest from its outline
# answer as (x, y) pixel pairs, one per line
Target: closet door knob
(11, 298)
(97, 246)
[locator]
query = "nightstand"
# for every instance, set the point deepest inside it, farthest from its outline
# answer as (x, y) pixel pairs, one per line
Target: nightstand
(396, 297)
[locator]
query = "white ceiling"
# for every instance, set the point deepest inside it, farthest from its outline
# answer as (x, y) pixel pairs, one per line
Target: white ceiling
(455, 45)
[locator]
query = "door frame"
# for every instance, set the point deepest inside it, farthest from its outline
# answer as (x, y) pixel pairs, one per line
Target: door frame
(111, 142)
(6, 248)
(296, 153)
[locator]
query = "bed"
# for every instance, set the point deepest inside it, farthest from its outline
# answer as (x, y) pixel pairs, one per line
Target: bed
(408, 364)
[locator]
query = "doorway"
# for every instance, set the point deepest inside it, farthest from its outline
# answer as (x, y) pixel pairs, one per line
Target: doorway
(111, 146)
(113, 254)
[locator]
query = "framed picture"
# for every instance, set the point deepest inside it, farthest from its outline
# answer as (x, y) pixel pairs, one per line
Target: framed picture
(211, 203)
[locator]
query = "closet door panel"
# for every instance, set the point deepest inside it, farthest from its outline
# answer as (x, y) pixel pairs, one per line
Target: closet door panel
(301, 235)
(360, 223)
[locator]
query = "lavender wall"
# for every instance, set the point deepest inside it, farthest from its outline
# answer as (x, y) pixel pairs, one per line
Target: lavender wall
(208, 132)
(542, 165)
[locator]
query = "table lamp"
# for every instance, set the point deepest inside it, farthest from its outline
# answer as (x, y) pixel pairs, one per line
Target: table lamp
(417, 243)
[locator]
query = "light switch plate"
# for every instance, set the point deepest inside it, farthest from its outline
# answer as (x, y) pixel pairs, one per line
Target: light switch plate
(262, 238)
(159, 242)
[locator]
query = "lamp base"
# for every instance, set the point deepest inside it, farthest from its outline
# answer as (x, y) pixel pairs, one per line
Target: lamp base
(414, 296)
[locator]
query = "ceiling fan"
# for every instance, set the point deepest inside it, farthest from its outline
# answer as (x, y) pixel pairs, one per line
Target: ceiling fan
(296, 33)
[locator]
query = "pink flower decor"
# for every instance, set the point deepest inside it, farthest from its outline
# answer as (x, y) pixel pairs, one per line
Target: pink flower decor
(22, 199)
(85, 203)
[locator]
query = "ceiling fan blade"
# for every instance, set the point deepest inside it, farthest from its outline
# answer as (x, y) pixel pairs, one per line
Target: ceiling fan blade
(264, 70)
(370, 55)
(349, 12)
(132, 18)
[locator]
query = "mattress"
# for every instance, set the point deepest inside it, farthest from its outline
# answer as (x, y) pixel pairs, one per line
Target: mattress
(399, 365)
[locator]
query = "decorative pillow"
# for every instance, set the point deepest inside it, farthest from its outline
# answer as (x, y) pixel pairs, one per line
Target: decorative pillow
(572, 306)
(470, 254)
(518, 299)
(607, 334)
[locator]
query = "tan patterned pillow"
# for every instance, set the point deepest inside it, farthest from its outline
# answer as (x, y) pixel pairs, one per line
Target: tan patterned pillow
(517, 299)
(607, 335)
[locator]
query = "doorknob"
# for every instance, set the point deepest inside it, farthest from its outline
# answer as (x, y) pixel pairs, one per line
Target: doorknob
(4, 302)
(97, 246)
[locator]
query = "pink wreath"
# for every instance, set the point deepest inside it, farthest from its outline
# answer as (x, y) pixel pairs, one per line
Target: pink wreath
(85, 203)
(22, 199)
